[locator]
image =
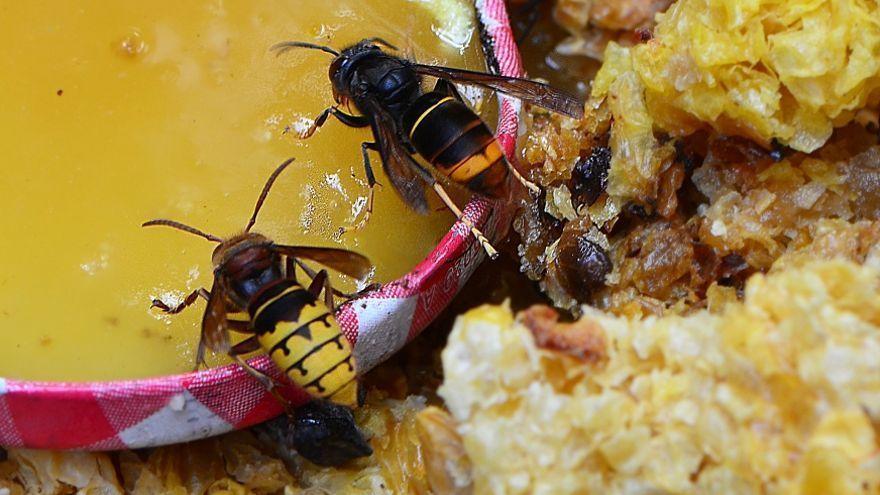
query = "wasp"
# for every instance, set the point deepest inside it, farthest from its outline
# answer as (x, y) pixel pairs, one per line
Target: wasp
(256, 292)
(437, 125)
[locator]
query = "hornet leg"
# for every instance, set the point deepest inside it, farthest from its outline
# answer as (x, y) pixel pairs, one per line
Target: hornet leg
(531, 186)
(371, 183)
(312, 274)
(322, 282)
(290, 268)
(188, 301)
(444, 86)
(338, 293)
(493, 254)
(235, 326)
(349, 120)
(246, 346)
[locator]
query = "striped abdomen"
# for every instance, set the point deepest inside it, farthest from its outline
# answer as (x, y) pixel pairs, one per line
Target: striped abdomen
(303, 338)
(452, 138)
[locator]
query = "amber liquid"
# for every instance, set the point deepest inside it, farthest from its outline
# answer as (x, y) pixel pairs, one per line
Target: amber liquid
(118, 112)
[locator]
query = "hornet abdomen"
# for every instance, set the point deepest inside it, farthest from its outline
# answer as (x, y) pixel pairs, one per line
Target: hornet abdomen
(452, 138)
(304, 340)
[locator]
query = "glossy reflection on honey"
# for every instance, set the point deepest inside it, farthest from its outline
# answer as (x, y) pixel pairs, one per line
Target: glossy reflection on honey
(116, 113)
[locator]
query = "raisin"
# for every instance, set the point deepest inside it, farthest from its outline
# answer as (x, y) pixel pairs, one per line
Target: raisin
(590, 175)
(581, 264)
(778, 151)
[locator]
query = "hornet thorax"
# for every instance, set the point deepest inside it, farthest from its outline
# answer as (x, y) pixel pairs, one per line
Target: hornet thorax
(364, 71)
(247, 265)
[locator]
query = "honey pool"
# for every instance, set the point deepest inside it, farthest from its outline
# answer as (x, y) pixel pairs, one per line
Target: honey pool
(119, 112)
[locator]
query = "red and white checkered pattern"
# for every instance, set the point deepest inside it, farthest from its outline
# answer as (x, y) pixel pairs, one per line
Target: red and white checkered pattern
(170, 409)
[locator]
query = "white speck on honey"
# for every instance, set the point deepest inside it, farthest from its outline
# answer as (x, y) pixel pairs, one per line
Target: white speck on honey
(300, 124)
(333, 182)
(308, 195)
(357, 207)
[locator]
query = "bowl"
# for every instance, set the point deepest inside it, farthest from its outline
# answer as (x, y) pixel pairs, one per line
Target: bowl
(178, 408)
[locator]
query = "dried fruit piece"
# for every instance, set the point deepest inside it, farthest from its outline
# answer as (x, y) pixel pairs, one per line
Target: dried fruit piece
(590, 175)
(582, 340)
(670, 181)
(577, 264)
(397, 449)
(862, 177)
(446, 462)
(662, 253)
(580, 264)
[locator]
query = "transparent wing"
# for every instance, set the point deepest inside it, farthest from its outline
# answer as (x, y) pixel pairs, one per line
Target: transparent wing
(342, 260)
(215, 333)
(533, 92)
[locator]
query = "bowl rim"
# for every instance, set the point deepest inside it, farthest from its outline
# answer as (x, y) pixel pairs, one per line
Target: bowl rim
(148, 412)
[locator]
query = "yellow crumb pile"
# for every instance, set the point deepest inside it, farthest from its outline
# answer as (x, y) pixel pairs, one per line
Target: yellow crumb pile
(790, 71)
(779, 393)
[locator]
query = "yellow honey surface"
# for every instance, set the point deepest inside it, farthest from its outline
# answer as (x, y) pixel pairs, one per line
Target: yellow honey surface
(114, 113)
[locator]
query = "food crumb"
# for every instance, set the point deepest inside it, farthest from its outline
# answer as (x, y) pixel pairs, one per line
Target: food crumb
(177, 403)
(59, 92)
